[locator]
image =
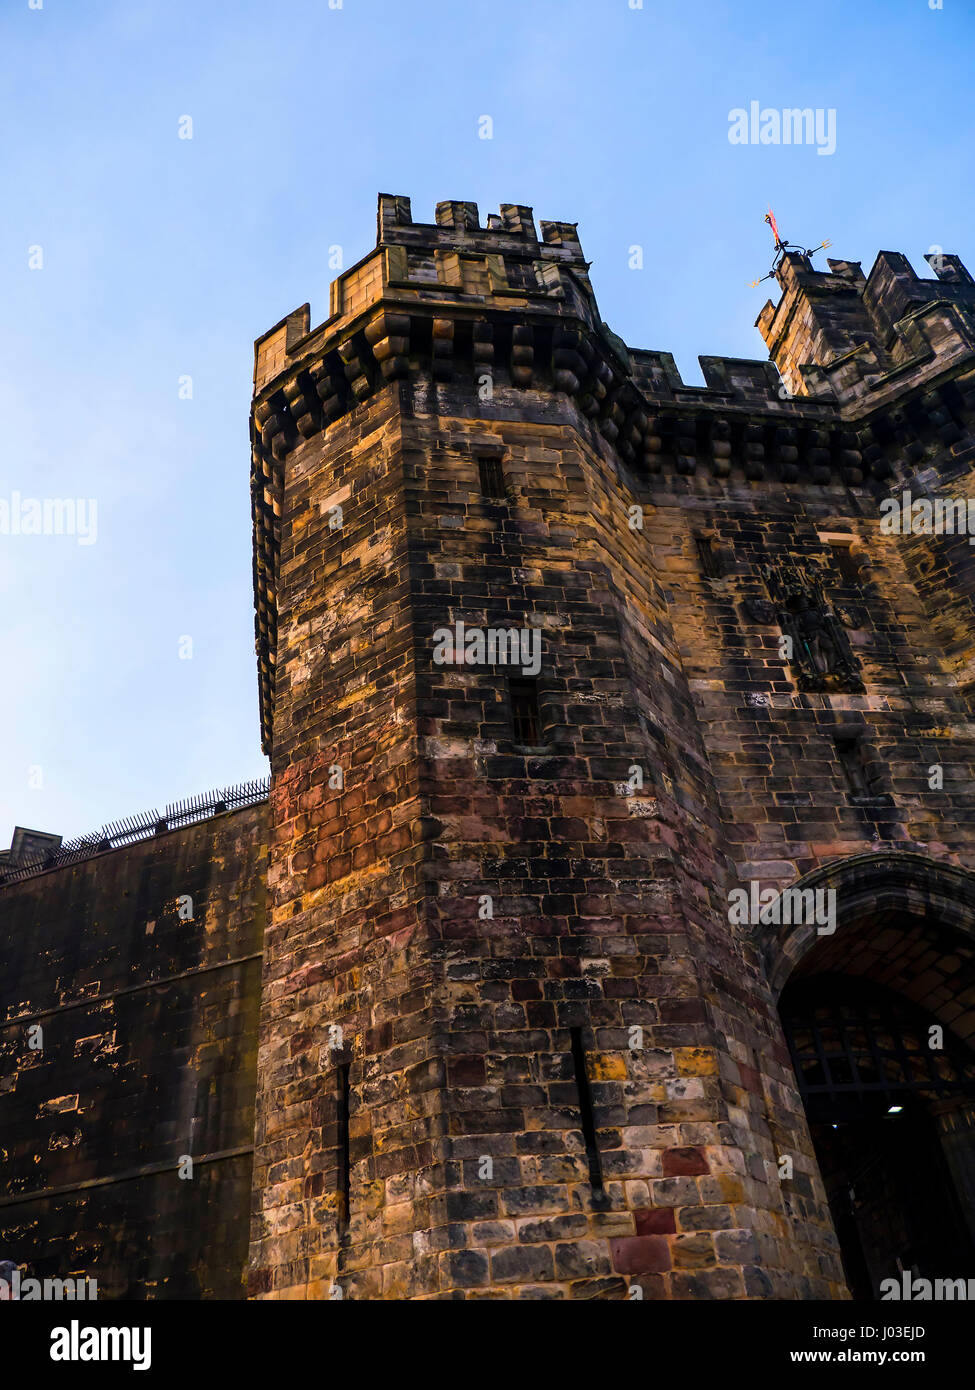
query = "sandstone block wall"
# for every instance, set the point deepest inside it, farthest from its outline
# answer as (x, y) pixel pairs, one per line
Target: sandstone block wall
(507, 1039)
(146, 1053)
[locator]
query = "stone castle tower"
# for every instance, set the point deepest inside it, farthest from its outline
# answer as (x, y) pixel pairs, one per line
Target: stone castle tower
(609, 931)
(513, 1042)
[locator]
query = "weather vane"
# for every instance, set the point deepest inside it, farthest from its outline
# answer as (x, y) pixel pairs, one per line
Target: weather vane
(781, 247)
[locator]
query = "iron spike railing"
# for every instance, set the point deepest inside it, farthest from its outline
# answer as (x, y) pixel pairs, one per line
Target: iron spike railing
(131, 829)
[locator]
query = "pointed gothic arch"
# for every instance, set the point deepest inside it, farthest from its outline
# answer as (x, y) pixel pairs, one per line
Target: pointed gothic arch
(879, 1017)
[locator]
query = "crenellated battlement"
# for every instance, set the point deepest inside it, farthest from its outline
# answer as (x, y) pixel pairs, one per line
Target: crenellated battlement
(469, 318)
(844, 336)
(458, 225)
(835, 337)
(453, 261)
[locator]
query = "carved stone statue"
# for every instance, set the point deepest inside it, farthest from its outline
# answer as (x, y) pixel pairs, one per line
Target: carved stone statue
(821, 655)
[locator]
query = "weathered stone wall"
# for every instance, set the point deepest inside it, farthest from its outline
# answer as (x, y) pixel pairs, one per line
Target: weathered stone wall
(470, 1173)
(148, 1024)
(780, 805)
(784, 798)
(346, 947)
(512, 1042)
(607, 906)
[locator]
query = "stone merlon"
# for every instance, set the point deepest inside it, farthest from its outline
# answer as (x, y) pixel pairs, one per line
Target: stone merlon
(438, 304)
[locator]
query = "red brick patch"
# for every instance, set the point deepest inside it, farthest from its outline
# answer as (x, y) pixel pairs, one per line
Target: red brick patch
(655, 1221)
(684, 1163)
(640, 1254)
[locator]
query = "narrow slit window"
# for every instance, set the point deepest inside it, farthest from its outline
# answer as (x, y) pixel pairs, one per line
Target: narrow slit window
(344, 1179)
(587, 1115)
(523, 695)
(849, 752)
(492, 478)
(709, 557)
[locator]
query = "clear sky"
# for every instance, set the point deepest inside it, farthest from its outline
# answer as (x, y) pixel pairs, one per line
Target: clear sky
(164, 258)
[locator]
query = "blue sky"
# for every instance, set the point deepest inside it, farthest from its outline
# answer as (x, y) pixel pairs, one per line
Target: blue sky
(165, 258)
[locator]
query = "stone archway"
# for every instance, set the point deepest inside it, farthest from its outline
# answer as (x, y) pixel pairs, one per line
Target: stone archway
(879, 1016)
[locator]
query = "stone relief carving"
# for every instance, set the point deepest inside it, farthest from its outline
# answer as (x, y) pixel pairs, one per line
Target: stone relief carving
(821, 655)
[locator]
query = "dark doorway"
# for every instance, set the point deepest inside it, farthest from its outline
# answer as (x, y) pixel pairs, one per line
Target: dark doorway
(875, 1073)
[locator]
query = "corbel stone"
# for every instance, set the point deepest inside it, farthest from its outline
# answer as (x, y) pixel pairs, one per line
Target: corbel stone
(327, 389)
(443, 349)
(483, 343)
(785, 452)
(303, 404)
(873, 455)
(940, 418)
(903, 434)
(389, 337)
(653, 444)
(720, 447)
(355, 370)
(721, 438)
(635, 425)
(522, 354)
(818, 456)
(849, 458)
(685, 445)
(753, 452)
(568, 364)
(275, 425)
(612, 417)
(595, 387)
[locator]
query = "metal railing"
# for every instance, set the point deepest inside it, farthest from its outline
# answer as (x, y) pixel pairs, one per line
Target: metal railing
(140, 827)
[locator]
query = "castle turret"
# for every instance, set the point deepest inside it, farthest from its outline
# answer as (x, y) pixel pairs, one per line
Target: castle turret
(840, 333)
(497, 1010)
(619, 933)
